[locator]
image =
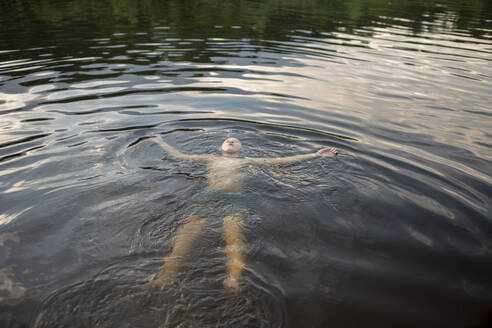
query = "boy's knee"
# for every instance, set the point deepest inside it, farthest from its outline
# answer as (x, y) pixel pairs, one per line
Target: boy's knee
(233, 220)
(194, 219)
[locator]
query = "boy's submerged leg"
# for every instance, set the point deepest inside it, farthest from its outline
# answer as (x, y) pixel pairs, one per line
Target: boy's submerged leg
(234, 245)
(183, 240)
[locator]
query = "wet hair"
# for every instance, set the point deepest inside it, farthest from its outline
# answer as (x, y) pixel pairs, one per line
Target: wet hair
(225, 138)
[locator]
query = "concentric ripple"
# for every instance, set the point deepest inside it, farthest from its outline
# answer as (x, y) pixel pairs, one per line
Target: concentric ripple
(394, 231)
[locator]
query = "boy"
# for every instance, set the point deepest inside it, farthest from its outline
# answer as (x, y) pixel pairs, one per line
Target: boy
(224, 174)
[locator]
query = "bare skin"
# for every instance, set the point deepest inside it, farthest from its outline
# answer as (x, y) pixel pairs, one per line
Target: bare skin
(224, 173)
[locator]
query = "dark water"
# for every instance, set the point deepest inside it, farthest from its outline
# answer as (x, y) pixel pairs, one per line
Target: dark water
(396, 231)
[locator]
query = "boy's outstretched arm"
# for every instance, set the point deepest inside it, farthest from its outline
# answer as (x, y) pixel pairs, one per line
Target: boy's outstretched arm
(177, 154)
(295, 158)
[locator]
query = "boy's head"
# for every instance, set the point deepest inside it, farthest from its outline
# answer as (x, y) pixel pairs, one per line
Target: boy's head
(231, 145)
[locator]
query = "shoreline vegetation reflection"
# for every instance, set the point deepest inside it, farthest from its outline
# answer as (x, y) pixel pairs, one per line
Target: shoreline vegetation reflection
(394, 231)
(272, 19)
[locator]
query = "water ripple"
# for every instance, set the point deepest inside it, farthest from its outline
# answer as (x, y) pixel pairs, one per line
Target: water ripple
(89, 203)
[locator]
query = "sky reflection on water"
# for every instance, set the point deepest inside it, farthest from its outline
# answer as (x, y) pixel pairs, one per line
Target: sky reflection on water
(395, 231)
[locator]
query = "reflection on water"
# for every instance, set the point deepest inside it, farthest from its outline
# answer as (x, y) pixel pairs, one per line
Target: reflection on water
(395, 231)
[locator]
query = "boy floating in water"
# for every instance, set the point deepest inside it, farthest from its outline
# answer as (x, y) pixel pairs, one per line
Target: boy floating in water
(224, 175)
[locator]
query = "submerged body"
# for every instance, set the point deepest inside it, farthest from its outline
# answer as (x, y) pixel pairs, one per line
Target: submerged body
(223, 173)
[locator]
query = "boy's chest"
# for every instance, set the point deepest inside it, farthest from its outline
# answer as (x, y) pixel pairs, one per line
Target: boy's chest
(225, 173)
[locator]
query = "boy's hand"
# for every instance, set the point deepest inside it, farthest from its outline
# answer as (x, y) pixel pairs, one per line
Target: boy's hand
(328, 150)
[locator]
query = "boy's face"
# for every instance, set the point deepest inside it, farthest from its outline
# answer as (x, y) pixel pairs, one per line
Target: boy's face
(231, 146)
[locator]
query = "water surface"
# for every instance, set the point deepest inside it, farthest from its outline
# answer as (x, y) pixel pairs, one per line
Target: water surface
(395, 231)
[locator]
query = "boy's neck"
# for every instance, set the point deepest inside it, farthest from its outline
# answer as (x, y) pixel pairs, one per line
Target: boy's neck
(229, 155)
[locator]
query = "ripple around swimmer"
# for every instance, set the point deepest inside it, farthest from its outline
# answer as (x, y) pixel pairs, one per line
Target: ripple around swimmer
(395, 231)
(116, 298)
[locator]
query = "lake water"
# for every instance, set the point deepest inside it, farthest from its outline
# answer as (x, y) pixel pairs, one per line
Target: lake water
(395, 231)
